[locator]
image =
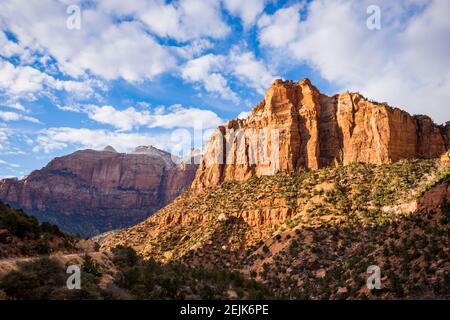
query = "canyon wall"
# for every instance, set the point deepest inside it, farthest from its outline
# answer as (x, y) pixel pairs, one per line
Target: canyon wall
(89, 192)
(297, 127)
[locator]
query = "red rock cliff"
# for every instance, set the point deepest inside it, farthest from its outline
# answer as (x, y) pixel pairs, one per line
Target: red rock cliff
(297, 127)
(94, 191)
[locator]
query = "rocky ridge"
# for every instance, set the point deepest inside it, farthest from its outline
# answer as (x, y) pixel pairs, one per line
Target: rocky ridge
(89, 192)
(296, 233)
(296, 127)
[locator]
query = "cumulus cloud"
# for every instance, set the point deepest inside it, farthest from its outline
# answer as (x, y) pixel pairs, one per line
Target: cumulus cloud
(405, 63)
(181, 117)
(116, 39)
(247, 10)
(102, 46)
(14, 105)
(26, 81)
(53, 139)
(211, 72)
(206, 70)
(175, 116)
(280, 28)
(9, 48)
(13, 116)
(181, 20)
(122, 119)
(249, 70)
(124, 51)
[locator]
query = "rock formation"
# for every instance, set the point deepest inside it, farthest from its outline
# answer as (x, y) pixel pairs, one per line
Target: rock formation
(89, 191)
(297, 127)
(445, 159)
(367, 197)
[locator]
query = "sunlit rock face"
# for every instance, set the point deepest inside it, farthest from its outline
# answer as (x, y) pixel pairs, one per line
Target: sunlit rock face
(89, 192)
(297, 127)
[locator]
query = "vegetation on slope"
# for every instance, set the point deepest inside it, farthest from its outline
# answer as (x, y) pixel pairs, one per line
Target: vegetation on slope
(45, 278)
(131, 277)
(309, 235)
(153, 280)
(321, 231)
(331, 262)
(21, 234)
(359, 193)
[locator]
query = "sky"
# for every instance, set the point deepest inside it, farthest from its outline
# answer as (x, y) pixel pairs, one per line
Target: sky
(86, 74)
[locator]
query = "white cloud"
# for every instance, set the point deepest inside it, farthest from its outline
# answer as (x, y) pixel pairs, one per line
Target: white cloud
(124, 51)
(121, 119)
(130, 118)
(249, 70)
(211, 72)
(193, 49)
(26, 81)
(3, 139)
(115, 39)
(53, 139)
(111, 49)
(102, 46)
(9, 48)
(13, 116)
(3, 134)
(182, 20)
(405, 63)
(281, 28)
(247, 10)
(206, 70)
(181, 117)
(14, 151)
(14, 105)
(9, 164)
(6, 142)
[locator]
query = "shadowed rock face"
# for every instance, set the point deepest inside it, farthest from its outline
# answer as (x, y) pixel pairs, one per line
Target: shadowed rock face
(89, 192)
(298, 127)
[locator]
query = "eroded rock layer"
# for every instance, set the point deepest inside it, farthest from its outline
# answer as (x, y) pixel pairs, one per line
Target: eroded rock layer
(89, 191)
(297, 127)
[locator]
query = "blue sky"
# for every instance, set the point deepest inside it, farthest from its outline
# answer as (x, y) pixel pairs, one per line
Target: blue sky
(86, 74)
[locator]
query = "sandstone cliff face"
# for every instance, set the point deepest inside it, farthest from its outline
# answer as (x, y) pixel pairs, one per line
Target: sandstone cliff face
(297, 127)
(445, 159)
(94, 191)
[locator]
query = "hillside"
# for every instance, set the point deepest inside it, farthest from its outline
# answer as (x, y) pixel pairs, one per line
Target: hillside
(23, 235)
(312, 234)
(122, 274)
(90, 192)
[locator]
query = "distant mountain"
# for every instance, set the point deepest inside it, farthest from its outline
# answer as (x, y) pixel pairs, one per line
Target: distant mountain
(90, 192)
